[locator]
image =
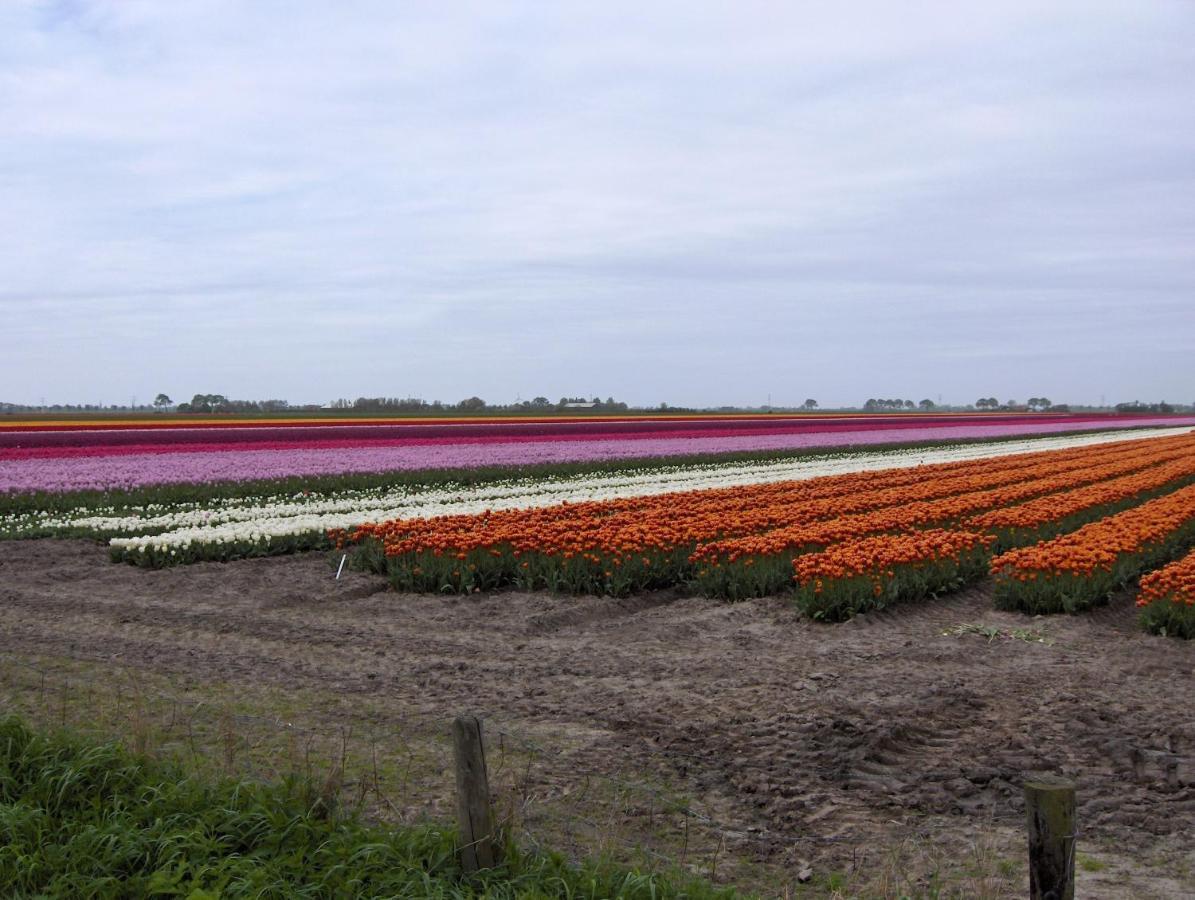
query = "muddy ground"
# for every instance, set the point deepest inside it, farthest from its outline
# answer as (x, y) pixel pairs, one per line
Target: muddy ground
(811, 745)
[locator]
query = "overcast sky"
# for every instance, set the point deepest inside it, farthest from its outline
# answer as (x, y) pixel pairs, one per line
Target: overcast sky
(698, 203)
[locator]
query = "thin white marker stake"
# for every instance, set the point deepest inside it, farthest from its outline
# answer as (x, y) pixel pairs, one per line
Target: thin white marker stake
(340, 568)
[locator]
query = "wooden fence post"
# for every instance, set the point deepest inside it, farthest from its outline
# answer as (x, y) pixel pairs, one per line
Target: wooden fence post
(475, 815)
(1050, 810)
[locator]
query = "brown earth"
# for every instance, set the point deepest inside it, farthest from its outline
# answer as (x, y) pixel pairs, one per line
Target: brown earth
(809, 744)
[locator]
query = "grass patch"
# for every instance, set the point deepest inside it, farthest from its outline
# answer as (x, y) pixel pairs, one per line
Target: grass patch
(1090, 863)
(993, 633)
(367, 760)
(86, 819)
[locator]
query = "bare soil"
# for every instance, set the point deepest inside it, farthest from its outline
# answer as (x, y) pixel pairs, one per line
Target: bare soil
(813, 743)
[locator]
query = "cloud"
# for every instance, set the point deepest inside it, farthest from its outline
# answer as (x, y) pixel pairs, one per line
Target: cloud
(652, 201)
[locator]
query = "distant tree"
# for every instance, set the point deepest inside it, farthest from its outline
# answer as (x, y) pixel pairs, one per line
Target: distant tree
(926, 404)
(161, 401)
(909, 404)
(541, 401)
(1039, 403)
(471, 404)
(810, 404)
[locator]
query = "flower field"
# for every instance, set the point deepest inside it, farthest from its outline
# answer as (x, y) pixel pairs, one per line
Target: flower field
(843, 544)
(637, 543)
(818, 507)
(59, 457)
(166, 528)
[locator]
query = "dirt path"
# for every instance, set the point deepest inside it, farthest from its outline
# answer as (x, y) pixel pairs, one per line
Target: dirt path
(813, 740)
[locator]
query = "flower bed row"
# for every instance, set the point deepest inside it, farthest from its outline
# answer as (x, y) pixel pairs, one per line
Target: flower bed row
(640, 543)
(1069, 573)
(880, 571)
(30, 434)
(757, 565)
(1079, 570)
(1167, 599)
(129, 471)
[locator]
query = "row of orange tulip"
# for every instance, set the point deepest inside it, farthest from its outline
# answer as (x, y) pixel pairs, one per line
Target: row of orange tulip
(1175, 583)
(1167, 599)
(1080, 569)
(881, 570)
(754, 566)
(1101, 484)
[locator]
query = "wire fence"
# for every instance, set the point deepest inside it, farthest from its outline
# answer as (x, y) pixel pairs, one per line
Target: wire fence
(637, 808)
(397, 770)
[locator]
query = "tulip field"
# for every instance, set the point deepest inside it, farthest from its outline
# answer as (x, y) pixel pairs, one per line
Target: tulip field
(54, 457)
(844, 514)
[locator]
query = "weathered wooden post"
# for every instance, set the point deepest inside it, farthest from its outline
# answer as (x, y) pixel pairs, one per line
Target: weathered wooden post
(475, 815)
(1050, 810)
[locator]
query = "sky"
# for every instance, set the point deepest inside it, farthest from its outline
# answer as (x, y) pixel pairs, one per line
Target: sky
(700, 204)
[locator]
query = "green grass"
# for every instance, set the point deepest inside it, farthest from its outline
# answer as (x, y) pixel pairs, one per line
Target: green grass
(85, 819)
(1169, 619)
(379, 763)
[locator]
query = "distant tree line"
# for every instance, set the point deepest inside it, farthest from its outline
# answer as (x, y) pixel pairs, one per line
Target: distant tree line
(1138, 407)
(386, 404)
(218, 403)
(475, 405)
(873, 405)
(10, 408)
(1033, 404)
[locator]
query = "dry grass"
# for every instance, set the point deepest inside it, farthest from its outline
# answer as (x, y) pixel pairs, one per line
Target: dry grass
(400, 771)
